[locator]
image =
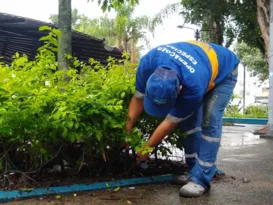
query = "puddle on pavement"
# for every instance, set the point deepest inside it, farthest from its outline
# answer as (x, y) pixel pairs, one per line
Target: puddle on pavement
(239, 138)
(232, 137)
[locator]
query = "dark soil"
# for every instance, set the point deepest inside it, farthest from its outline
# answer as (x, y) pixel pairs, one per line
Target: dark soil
(60, 170)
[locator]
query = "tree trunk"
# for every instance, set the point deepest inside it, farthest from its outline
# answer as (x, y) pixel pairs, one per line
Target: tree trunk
(133, 54)
(217, 32)
(65, 41)
(117, 43)
(263, 18)
(213, 31)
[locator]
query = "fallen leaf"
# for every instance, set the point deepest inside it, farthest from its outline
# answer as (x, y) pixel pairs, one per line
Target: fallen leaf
(58, 197)
(235, 199)
(26, 189)
(104, 156)
(74, 195)
(117, 189)
(246, 180)
(129, 202)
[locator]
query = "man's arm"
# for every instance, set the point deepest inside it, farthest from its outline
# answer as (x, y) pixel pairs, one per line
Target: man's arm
(165, 128)
(136, 104)
(134, 110)
(187, 105)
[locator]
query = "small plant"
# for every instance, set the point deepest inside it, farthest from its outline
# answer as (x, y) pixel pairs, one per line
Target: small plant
(255, 111)
(233, 109)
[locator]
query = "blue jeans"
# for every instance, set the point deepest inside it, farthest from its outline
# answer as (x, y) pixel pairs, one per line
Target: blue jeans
(204, 130)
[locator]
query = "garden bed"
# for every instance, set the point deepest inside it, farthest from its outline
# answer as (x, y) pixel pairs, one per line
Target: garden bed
(119, 165)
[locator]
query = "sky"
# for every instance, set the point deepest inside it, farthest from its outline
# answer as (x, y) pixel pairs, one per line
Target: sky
(42, 9)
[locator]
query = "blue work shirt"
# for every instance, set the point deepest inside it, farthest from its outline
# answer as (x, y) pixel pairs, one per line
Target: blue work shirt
(200, 66)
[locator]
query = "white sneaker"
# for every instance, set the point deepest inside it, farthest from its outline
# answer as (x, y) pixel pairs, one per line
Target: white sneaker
(192, 189)
(182, 179)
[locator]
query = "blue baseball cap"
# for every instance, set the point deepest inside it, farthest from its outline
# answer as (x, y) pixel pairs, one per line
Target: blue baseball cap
(161, 92)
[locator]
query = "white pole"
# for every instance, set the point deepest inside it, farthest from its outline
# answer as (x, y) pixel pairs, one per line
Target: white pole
(270, 101)
(244, 92)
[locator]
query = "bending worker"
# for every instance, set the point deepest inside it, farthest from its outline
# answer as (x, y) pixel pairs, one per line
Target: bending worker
(190, 84)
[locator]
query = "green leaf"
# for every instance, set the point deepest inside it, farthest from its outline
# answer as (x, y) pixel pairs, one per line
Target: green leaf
(68, 56)
(6, 130)
(120, 102)
(107, 185)
(57, 32)
(56, 50)
(117, 189)
(58, 197)
(45, 38)
(26, 189)
(1, 164)
(65, 131)
(77, 125)
(44, 28)
(43, 151)
(54, 42)
(70, 124)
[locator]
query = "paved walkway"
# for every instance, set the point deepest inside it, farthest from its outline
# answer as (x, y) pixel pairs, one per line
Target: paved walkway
(242, 157)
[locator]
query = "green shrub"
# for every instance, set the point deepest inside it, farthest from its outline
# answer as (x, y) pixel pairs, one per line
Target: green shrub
(252, 111)
(42, 115)
(233, 110)
(39, 110)
(257, 111)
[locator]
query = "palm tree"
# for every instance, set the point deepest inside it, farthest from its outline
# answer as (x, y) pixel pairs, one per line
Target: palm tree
(123, 31)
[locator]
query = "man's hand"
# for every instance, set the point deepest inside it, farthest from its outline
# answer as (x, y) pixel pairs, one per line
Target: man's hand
(165, 128)
(140, 157)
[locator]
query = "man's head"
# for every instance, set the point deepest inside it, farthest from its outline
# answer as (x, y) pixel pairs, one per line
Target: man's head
(162, 89)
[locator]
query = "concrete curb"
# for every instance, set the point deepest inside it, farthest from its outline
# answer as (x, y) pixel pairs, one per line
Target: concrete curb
(7, 196)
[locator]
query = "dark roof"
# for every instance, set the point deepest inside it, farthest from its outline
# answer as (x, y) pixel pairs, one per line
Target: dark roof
(20, 34)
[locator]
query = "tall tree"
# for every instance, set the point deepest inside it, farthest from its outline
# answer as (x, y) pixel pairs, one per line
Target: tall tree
(65, 40)
(75, 17)
(123, 31)
(109, 4)
(253, 20)
(211, 16)
(254, 60)
(65, 21)
(263, 17)
(248, 28)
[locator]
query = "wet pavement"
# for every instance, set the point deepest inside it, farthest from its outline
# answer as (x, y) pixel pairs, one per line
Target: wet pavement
(246, 159)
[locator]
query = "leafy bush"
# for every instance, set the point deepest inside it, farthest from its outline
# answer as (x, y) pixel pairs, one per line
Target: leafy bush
(252, 111)
(45, 117)
(233, 109)
(257, 111)
(39, 109)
